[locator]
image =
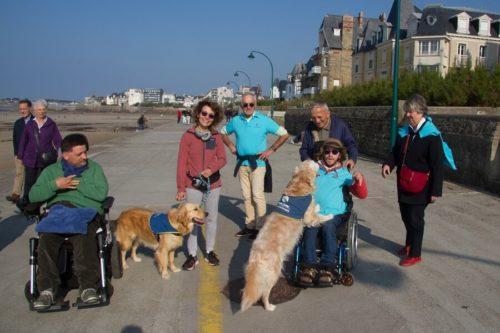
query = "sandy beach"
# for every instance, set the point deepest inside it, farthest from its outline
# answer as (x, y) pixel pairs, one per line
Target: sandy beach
(98, 127)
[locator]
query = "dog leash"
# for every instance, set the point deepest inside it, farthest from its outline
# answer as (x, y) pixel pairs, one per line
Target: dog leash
(204, 198)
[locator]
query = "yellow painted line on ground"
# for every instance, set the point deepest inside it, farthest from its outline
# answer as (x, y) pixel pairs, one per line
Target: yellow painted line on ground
(209, 299)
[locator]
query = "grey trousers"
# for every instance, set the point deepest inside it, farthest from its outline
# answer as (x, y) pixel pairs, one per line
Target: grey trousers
(212, 208)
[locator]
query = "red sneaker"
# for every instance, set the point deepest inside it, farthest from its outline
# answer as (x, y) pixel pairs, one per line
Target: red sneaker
(410, 261)
(405, 251)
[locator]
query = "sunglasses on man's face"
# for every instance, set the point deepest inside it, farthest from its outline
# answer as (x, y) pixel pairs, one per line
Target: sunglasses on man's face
(246, 105)
(206, 114)
(332, 151)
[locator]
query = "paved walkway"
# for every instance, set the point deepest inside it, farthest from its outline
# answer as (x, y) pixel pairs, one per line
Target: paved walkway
(457, 288)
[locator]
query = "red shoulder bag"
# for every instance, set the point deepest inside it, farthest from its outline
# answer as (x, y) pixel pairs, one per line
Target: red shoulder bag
(409, 180)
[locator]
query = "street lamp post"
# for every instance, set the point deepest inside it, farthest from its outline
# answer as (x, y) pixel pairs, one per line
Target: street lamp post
(233, 82)
(248, 77)
(395, 74)
(251, 56)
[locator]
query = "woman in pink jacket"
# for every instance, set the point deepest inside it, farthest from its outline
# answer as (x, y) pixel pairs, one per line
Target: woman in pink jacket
(201, 156)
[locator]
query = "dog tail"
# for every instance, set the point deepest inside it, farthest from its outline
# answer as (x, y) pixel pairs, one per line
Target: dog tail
(253, 289)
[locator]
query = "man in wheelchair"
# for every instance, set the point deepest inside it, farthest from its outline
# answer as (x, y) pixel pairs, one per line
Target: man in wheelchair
(331, 180)
(74, 189)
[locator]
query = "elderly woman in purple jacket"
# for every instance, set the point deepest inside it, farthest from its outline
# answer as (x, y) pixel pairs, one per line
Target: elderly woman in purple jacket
(39, 145)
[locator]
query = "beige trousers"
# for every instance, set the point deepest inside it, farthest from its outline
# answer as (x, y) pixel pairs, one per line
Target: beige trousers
(18, 177)
(252, 188)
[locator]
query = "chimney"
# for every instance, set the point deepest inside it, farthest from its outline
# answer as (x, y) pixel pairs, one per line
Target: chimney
(360, 18)
(382, 17)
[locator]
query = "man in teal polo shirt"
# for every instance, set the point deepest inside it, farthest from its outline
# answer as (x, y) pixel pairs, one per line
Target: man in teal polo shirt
(251, 129)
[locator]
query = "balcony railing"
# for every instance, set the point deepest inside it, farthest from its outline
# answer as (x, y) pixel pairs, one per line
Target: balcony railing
(481, 61)
(461, 60)
(314, 71)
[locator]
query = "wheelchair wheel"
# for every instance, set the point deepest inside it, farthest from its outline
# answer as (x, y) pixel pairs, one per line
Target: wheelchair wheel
(352, 242)
(116, 260)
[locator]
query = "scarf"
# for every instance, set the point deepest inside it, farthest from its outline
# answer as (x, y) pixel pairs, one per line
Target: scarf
(70, 170)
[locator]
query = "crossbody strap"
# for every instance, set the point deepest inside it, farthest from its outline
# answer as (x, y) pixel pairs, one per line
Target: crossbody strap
(405, 149)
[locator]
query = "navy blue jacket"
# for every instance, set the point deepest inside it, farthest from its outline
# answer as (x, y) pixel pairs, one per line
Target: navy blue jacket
(17, 132)
(338, 130)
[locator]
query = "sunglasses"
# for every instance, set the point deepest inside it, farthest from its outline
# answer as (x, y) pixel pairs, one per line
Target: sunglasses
(206, 114)
(332, 151)
(246, 105)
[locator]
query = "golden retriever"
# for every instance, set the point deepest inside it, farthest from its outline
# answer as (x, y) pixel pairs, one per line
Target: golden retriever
(132, 229)
(277, 239)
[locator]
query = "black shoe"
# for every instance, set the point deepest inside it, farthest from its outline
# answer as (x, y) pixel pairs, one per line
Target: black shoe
(44, 301)
(14, 198)
(254, 234)
(190, 263)
(89, 296)
(212, 258)
(244, 232)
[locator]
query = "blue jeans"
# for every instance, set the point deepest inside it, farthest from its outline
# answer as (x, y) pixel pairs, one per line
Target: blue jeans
(329, 250)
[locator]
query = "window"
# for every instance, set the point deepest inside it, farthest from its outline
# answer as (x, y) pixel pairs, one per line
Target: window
(374, 38)
(336, 83)
(370, 63)
(424, 47)
(482, 51)
(384, 57)
(356, 69)
(484, 28)
(434, 47)
(325, 63)
(325, 82)
(462, 49)
(407, 54)
(380, 36)
(463, 25)
(336, 32)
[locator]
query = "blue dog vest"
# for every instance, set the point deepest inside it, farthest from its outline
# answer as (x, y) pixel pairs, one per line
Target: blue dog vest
(160, 224)
(294, 207)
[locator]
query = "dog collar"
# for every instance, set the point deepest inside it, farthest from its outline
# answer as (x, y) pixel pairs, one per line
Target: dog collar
(294, 207)
(160, 224)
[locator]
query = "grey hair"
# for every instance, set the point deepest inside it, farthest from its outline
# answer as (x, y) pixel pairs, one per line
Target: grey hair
(249, 94)
(40, 102)
(415, 103)
(323, 106)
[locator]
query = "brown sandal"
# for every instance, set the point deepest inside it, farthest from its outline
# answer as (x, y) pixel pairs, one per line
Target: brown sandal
(325, 278)
(307, 276)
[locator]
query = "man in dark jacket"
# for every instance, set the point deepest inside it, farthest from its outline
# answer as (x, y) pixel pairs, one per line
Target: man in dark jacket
(323, 126)
(25, 112)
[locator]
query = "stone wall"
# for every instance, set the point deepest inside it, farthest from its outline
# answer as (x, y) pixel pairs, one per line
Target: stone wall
(472, 133)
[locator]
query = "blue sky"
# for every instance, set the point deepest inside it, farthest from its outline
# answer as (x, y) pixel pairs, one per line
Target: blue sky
(71, 49)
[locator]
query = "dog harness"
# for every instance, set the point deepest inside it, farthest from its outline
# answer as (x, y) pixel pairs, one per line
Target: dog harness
(160, 224)
(294, 207)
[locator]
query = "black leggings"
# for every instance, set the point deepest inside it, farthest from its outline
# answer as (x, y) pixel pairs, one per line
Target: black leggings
(30, 177)
(413, 218)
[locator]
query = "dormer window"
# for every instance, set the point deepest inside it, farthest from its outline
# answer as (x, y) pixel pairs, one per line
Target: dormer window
(463, 22)
(483, 25)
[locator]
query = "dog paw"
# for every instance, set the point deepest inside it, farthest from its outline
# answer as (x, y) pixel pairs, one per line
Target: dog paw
(175, 269)
(137, 259)
(165, 275)
(270, 307)
(124, 265)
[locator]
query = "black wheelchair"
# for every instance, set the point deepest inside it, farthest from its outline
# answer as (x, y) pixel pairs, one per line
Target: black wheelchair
(347, 239)
(110, 266)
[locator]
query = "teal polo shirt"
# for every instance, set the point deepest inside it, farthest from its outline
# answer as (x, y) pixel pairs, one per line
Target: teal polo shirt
(251, 134)
(328, 194)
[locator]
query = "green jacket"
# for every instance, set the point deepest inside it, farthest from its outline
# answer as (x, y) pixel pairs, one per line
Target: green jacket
(90, 193)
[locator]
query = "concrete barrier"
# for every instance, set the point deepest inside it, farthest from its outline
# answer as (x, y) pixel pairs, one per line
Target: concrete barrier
(473, 134)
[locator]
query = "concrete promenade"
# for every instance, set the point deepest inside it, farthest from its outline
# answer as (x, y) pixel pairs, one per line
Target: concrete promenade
(456, 288)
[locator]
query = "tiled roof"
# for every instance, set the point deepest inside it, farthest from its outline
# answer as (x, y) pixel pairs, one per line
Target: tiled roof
(436, 20)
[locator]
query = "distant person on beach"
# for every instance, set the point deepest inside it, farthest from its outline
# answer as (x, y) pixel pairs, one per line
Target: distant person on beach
(38, 148)
(179, 115)
(141, 122)
(323, 126)
(25, 112)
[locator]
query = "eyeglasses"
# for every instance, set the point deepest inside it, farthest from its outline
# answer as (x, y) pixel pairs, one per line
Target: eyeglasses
(332, 151)
(246, 105)
(206, 114)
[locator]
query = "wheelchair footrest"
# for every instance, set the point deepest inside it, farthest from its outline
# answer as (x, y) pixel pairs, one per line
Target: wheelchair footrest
(79, 304)
(60, 305)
